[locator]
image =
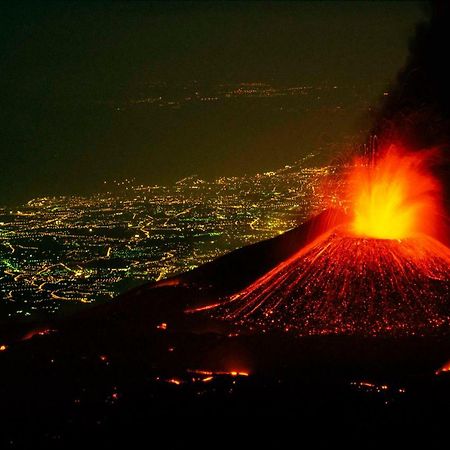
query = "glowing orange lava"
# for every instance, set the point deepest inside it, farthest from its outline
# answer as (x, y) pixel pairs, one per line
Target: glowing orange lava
(384, 272)
(395, 198)
(444, 369)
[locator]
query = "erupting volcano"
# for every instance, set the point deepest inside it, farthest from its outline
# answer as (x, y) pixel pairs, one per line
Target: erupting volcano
(384, 272)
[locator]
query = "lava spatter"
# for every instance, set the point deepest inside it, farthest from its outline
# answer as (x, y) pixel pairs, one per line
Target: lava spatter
(342, 284)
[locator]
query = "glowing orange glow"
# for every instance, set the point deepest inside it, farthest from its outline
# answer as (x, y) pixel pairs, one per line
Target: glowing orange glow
(162, 326)
(365, 383)
(37, 332)
(3, 348)
(233, 373)
(201, 308)
(396, 197)
(444, 368)
(201, 372)
(168, 282)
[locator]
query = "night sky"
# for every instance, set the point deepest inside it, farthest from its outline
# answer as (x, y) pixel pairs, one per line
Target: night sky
(69, 71)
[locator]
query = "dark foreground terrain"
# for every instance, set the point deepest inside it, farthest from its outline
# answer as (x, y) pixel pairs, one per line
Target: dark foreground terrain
(141, 367)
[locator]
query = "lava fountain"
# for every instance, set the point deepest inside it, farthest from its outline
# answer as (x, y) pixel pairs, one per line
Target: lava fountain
(395, 198)
(383, 273)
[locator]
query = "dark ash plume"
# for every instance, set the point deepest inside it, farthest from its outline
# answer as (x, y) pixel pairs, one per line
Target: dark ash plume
(417, 110)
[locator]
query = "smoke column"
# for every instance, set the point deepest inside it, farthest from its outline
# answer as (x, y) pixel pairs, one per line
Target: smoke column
(417, 110)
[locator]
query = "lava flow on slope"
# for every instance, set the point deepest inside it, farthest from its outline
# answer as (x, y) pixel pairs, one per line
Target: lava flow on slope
(383, 273)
